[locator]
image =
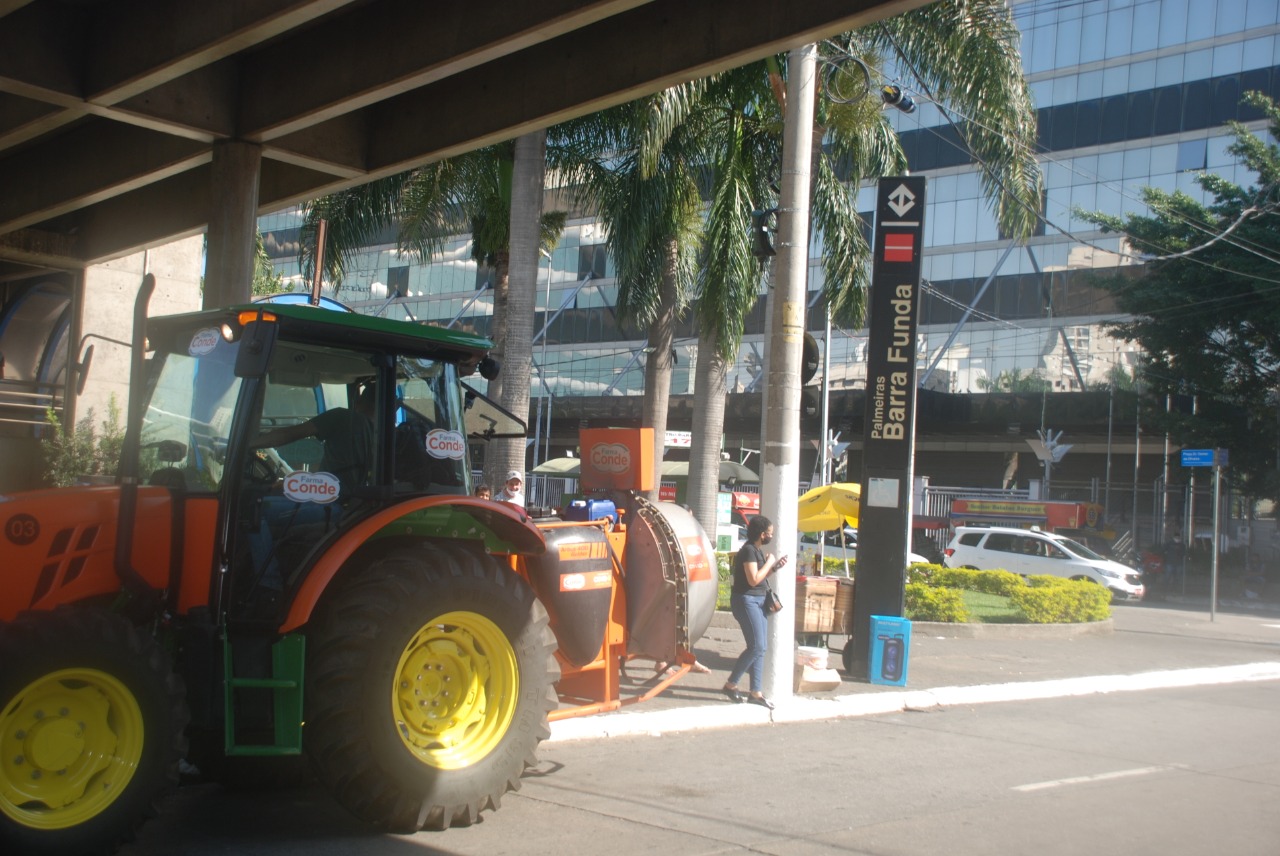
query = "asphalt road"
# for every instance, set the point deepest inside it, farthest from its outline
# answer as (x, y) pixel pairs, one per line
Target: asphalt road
(1172, 770)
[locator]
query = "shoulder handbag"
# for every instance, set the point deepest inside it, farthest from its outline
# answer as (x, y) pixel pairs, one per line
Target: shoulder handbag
(772, 603)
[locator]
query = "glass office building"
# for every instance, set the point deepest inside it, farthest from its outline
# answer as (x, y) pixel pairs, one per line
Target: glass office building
(1129, 94)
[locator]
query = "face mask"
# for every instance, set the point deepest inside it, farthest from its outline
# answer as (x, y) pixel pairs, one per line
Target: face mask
(766, 540)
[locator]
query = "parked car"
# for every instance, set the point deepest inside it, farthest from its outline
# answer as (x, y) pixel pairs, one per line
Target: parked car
(833, 537)
(1031, 551)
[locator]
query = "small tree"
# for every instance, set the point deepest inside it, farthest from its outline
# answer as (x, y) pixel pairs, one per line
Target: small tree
(82, 451)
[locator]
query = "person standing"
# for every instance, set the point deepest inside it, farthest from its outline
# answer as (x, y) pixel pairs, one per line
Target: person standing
(751, 570)
(511, 492)
(483, 492)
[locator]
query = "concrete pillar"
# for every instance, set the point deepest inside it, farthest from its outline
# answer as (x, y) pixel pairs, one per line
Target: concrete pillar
(107, 316)
(233, 223)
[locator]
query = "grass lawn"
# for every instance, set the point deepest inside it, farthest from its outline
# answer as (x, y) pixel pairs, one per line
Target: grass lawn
(990, 608)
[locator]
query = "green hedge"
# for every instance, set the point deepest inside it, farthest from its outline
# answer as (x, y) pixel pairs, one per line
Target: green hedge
(933, 593)
(1003, 583)
(929, 603)
(1053, 600)
(1038, 599)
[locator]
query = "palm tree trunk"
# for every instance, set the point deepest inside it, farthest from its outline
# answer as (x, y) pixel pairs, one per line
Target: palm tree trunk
(528, 181)
(498, 326)
(660, 366)
(708, 425)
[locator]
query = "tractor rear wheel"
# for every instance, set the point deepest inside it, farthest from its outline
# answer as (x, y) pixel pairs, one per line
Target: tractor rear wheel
(429, 680)
(91, 730)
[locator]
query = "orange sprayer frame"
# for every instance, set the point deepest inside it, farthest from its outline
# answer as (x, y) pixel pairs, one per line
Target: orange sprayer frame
(597, 686)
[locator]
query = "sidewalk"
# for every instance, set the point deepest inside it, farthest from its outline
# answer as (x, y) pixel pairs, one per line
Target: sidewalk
(1141, 646)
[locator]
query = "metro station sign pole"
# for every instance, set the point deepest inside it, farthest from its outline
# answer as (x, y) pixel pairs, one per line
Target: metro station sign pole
(888, 449)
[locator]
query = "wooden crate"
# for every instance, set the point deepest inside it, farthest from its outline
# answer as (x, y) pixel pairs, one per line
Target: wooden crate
(844, 606)
(816, 604)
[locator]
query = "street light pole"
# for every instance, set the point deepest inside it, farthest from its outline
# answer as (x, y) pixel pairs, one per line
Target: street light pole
(780, 476)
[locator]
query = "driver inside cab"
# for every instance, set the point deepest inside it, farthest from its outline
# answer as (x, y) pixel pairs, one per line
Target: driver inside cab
(347, 435)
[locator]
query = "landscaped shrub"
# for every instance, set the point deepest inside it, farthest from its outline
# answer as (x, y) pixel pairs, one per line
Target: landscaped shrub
(1053, 600)
(928, 603)
(82, 450)
(988, 582)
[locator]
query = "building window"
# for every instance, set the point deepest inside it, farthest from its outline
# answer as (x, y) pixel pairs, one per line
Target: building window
(397, 280)
(591, 260)
(1192, 155)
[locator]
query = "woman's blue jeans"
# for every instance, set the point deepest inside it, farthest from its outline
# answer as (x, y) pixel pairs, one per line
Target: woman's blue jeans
(749, 610)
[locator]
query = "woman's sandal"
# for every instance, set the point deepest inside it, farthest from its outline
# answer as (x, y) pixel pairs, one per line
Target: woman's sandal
(735, 695)
(756, 698)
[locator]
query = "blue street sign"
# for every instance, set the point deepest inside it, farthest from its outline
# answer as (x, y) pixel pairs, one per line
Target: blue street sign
(1197, 457)
(1203, 457)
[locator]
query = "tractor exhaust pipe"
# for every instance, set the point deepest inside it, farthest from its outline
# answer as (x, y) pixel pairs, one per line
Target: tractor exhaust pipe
(133, 582)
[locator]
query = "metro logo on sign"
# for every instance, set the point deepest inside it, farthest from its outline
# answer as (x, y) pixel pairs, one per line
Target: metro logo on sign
(899, 247)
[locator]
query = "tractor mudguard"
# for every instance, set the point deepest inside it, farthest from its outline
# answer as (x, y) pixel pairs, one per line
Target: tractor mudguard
(498, 527)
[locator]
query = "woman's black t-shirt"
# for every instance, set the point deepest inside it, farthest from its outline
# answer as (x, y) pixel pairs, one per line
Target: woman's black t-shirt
(749, 552)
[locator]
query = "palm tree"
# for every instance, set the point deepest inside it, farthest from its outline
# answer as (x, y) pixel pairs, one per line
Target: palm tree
(962, 52)
(651, 212)
(484, 192)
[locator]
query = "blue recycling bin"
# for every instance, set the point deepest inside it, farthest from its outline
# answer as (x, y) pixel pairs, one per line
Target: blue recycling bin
(890, 645)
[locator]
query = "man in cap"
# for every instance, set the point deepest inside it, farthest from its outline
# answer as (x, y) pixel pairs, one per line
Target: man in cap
(512, 491)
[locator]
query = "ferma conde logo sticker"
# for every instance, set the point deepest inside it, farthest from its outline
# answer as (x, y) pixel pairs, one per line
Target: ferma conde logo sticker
(446, 444)
(321, 488)
(611, 457)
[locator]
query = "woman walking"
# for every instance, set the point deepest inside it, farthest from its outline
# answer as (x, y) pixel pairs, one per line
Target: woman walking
(751, 569)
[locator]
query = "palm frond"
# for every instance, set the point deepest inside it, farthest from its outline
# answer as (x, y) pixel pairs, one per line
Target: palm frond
(353, 218)
(846, 255)
(965, 53)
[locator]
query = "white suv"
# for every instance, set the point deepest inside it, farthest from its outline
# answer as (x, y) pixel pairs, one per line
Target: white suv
(1030, 551)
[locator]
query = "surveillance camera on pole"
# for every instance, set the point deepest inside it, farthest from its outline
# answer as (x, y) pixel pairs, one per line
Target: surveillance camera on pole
(893, 96)
(761, 242)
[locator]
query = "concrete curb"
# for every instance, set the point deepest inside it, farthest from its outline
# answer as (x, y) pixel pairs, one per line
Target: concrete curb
(1013, 631)
(723, 620)
(804, 709)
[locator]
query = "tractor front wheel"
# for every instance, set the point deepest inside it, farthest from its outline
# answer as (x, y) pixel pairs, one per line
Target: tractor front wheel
(91, 730)
(430, 677)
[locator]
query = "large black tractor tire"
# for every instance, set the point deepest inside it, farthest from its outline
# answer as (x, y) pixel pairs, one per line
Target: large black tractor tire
(91, 731)
(429, 679)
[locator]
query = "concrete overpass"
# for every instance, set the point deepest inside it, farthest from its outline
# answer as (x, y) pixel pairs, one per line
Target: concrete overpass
(125, 125)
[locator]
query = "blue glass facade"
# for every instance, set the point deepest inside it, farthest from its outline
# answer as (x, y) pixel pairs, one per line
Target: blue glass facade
(1129, 94)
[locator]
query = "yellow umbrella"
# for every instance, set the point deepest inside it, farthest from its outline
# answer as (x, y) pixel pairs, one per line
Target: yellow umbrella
(830, 506)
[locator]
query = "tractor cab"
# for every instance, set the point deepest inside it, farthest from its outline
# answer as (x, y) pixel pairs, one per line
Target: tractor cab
(283, 427)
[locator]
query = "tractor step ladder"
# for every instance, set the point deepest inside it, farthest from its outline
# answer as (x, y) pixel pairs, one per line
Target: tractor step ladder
(288, 656)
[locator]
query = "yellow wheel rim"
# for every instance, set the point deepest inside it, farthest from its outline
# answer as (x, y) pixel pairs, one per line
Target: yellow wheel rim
(70, 743)
(456, 689)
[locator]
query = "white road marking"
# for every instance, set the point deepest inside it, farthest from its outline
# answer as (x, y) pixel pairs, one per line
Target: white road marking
(1101, 777)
